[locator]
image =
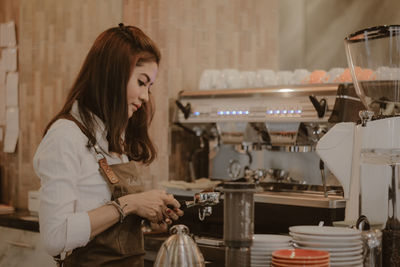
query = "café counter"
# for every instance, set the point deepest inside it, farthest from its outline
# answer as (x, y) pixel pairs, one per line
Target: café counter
(20, 244)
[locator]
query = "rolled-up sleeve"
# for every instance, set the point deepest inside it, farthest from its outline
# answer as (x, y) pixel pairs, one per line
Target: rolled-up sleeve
(57, 164)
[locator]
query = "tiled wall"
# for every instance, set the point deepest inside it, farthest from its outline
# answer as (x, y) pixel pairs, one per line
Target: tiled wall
(53, 39)
(54, 36)
(193, 35)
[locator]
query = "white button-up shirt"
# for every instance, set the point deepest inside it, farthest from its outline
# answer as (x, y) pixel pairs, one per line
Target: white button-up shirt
(71, 183)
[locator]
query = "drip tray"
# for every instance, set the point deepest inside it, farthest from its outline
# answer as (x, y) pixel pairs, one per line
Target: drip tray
(301, 195)
(302, 188)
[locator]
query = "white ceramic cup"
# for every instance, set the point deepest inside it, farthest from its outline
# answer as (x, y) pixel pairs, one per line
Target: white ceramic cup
(208, 79)
(268, 77)
(285, 77)
(300, 76)
(334, 74)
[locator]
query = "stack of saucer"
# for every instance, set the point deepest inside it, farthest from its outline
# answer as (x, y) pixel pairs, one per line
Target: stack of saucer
(264, 245)
(300, 257)
(343, 244)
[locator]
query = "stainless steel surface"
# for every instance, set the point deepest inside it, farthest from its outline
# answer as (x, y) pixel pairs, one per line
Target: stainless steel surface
(372, 243)
(238, 204)
(316, 89)
(277, 174)
(237, 257)
(316, 190)
(179, 250)
(204, 200)
(365, 116)
(303, 199)
(241, 122)
(282, 148)
(271, 104)
(372, 248)
(204, 212)
(209, 241)
(271, 175)
(238, 222)
(260, 129)
(322, 168)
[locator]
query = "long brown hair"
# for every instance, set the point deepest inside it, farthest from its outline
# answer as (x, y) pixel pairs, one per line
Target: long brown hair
(100, 89)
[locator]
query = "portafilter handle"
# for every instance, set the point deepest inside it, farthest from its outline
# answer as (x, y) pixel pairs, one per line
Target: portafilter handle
(205, 201)
(320, 106)
(202, 199)
(186, 110)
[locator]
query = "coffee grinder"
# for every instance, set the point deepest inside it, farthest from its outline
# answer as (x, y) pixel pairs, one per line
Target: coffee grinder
(366, 157)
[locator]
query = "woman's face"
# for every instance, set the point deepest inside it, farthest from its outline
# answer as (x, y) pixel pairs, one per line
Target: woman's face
(142, 78)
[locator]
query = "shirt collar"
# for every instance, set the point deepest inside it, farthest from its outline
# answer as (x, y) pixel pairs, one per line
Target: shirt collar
(99, 127)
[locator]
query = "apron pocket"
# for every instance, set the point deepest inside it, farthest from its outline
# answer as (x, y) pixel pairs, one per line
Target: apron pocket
(130, 236)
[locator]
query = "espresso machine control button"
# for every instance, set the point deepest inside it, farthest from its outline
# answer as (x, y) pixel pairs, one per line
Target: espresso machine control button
(320, 106)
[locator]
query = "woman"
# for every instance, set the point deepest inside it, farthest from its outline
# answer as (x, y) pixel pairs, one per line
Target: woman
(91, 199)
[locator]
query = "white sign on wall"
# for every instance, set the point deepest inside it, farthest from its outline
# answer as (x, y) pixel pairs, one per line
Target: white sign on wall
(9, 113)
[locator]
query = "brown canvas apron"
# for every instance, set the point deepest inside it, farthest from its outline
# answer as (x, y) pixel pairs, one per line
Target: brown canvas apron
(122, 243)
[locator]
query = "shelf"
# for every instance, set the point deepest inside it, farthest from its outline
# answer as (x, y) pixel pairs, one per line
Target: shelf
(282, 91)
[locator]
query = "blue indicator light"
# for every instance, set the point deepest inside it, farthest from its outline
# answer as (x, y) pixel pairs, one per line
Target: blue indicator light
(220, 113)
(197, 113)
(240, 112)
(298, 111)
(277, 111)
(228, 113)
(234, 112)
(270, 112)
(246, 112)
(284, 111)
(291, 111)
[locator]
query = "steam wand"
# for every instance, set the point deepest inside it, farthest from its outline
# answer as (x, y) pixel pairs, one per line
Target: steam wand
(322, 169)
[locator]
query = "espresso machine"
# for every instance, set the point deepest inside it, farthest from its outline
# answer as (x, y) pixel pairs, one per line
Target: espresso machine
(242, 127)
(365, 156)
(266, 136)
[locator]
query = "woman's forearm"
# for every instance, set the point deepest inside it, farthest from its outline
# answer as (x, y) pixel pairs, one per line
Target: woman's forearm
(150, 205)
(106, 216)
(102, 218)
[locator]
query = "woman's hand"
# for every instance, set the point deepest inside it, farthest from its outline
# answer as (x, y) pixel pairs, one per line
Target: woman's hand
(159, 227)
(152, 205)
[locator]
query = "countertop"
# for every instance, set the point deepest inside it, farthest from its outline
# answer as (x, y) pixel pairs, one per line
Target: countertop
(21, 219)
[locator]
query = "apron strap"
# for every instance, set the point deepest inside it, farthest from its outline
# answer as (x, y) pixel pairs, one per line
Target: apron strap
(101, 159)
(60, 258)
(92, 140)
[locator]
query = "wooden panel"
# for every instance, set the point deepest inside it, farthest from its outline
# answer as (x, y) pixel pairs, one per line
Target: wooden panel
(55, 37)
(195, 35)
